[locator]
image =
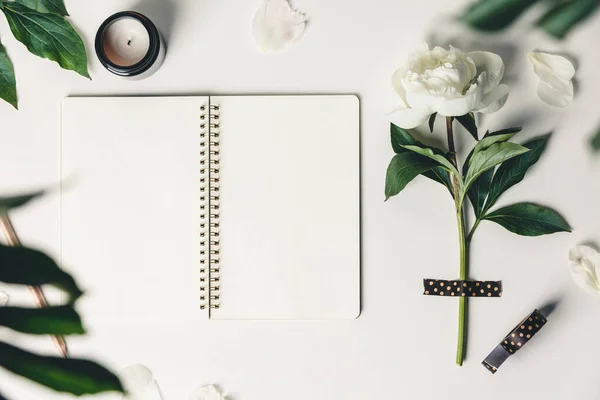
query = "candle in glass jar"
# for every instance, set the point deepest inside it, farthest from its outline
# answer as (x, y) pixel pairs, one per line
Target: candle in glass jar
(129, 45)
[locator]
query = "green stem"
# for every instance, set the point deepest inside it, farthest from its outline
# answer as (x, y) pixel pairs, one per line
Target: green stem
(462, 301)
(475, 225)
(462, 242)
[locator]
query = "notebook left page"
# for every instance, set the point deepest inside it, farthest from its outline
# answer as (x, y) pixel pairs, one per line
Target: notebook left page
(131, 205)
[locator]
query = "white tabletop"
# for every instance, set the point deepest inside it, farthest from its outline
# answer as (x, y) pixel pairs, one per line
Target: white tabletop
(403, 344)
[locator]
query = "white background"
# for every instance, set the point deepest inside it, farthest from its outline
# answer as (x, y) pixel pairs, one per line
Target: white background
(403, 344)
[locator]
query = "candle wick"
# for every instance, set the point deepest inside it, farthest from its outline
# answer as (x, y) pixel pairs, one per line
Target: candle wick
(129, 42)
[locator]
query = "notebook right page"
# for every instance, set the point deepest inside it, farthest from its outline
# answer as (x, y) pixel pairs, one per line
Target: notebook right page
(289, 207)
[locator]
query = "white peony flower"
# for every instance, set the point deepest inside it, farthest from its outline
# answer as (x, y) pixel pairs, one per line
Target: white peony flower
(556, 74)
(3, 299)
(584, 264)
(139, 383)
(449, 82)
(208, 392)
(277, 24)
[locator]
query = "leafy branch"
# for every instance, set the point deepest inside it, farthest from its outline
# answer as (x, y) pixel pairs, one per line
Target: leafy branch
(492, 167)
(41, 25)
(23, 266)
(560, 18)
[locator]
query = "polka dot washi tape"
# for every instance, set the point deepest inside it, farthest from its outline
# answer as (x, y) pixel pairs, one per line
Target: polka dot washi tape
(459, 288)
(515, 340)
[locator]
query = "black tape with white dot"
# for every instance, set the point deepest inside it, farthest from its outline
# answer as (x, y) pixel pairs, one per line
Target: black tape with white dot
(515, 340)
(460, 288)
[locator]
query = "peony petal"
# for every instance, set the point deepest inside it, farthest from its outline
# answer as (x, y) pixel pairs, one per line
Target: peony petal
(3, 299)
(546, 66)
(420, 99)
(208, 392)
(449, 107)
(584, 265)
(462, 105)
(555, 73)
(276, 24)
(457, 107)
(557, 97)
(399, 85)
(494, 100)
(139, 383)
(492, 65)
(408, 118)
(584, 280)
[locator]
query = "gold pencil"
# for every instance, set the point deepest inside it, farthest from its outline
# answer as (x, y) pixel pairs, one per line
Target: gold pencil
(38, 295)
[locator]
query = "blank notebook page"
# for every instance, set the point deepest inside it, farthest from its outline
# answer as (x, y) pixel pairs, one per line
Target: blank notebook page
(289, 207)
(130, 205)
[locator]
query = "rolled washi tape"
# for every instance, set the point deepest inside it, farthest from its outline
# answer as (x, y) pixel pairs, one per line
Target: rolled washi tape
(515, 340)
(462, 288)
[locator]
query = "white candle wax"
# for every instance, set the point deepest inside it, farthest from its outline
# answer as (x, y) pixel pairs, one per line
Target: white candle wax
(126, 42)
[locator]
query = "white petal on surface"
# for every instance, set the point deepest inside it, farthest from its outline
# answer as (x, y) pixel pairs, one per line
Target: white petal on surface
(208, 392)
(584, 265)
(139, 383)
(3, 299)
(560, 97)
(555, 73)
(545, 64)
(407, 118)
(492, 65)
(494, 100)
(276, 24)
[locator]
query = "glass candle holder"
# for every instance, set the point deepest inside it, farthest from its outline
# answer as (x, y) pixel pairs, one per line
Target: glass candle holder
(129, 45)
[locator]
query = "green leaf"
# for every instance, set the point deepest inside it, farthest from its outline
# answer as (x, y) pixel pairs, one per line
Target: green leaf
(8, 82)
(595, 142)
(436, 155)
(404, 168)
(62, 320)
(566, 15)
(479, 188)
(432, 121)
(494, 15)
(529, 219)
(69, 375)
(490, 157)
(401, 137)
(513, 130)
(478, 191)
(468, 121)
(23, 266)
(46, 6)
(440, 175)
(513, 171)
(496, 137)
(47, 35)
(6, 203)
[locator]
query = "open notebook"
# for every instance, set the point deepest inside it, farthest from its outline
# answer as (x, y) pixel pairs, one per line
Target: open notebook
(225, 207)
